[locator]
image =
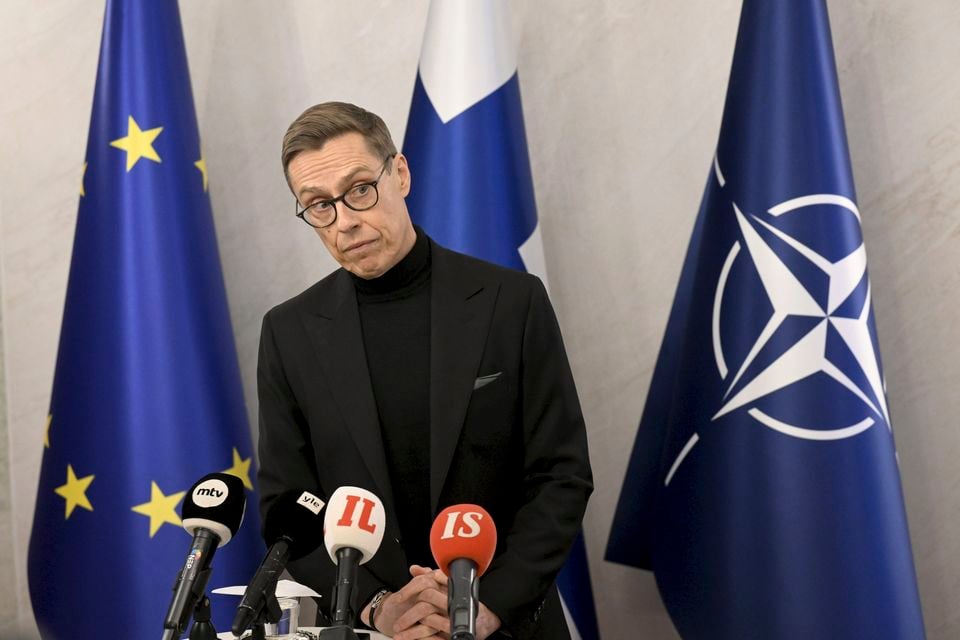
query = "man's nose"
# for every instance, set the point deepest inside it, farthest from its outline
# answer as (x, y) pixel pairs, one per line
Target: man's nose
(347, 218)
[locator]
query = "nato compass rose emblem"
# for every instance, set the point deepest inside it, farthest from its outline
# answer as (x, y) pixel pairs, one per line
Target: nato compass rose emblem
(802, 282)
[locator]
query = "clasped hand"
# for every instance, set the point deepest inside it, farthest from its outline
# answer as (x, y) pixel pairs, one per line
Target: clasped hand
(419, 610)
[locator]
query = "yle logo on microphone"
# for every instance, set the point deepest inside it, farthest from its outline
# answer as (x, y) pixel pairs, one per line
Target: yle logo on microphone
(470, 527)
(211, 493)
(311, 502)
(346, 520)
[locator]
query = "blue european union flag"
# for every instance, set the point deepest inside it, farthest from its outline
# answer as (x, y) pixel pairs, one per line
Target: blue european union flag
(763, 489)
(466, 140)
(147, 393)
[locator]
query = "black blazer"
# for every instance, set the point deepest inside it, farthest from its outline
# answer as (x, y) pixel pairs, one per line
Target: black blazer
(506, 430)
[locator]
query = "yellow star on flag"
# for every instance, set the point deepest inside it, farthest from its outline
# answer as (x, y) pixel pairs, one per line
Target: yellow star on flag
(241, 469)
(201, 164)
(138, 144)
(161, 508)
(82, 176)
(75, 492)
(46, 432)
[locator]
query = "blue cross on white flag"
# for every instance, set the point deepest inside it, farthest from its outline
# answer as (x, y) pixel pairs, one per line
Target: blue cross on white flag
(763, 489)
(465, 139)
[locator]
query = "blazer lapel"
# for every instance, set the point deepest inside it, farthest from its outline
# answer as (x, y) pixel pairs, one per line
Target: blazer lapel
(461, 307)
(338, 340)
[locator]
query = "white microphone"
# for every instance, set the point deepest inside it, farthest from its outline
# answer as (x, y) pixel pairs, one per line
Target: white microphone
(353, 527)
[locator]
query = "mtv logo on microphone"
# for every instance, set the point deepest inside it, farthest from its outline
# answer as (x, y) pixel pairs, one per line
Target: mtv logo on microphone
(210, 493)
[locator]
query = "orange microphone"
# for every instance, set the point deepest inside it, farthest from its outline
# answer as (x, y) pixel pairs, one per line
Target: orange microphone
(463, 539)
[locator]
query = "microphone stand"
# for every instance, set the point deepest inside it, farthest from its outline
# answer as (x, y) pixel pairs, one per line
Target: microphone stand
(202, 628)
(462, 598)
(173, 628)
(340, 632)
(344, 593)
(269, 613)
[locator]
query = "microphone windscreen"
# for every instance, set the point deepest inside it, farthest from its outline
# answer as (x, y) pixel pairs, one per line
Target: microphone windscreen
(216, 502)
(355, 518)
(463, 531)
(295, 517)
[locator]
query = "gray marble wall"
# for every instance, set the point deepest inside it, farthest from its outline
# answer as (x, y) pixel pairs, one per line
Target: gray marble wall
(8, 600)
(623, 101)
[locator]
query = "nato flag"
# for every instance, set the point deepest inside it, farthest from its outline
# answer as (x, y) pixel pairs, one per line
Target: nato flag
(146, 395)
(763, 490)
(466, 141)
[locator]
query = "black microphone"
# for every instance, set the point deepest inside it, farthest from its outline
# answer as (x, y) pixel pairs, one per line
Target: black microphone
(212, 512)
(293, 528)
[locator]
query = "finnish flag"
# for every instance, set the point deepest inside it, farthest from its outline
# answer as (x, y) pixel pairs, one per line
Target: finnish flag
(465, 138)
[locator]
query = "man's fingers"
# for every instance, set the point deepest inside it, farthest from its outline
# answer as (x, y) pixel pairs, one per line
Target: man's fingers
(435, 597)
(419, 632)
(417, 570)
(438, 622)
(487, 622)
(416, 585)
(414, 615)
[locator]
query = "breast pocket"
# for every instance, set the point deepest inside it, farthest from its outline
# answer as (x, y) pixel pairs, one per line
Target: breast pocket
(491, 414)
(483, 381)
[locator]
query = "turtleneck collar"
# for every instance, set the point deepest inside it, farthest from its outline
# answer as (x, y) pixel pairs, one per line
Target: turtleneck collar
(407, 275)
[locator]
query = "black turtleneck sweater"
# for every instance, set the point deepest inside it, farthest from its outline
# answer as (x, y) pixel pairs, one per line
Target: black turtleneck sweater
(395, 321)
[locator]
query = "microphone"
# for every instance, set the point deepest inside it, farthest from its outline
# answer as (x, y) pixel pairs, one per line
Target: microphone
(292, 528)
(353, 527)
(212, 512)
(463, 539)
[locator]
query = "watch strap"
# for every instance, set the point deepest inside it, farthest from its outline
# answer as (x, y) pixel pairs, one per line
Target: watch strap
(375, 603)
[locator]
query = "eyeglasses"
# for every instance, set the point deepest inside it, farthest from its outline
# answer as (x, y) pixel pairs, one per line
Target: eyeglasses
(359, 197)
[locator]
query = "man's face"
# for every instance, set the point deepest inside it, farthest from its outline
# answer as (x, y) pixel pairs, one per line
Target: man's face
(366, 243)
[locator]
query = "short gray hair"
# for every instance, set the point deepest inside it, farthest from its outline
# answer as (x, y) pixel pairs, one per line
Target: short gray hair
(322, 122)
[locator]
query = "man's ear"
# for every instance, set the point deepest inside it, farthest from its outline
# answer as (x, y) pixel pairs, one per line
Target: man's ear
(403, 172)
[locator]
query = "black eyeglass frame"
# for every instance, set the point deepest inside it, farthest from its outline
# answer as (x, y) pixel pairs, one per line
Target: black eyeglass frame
(341, 198)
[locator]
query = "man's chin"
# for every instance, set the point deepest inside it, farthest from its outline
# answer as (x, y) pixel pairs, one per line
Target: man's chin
(367, 272)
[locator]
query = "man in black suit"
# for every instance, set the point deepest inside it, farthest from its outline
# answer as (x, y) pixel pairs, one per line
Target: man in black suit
(427, 377)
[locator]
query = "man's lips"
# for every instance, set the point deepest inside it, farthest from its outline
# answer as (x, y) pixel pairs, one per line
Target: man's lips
(358, 245)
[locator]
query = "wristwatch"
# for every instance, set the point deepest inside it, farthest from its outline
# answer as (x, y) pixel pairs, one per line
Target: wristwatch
(374, 607)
